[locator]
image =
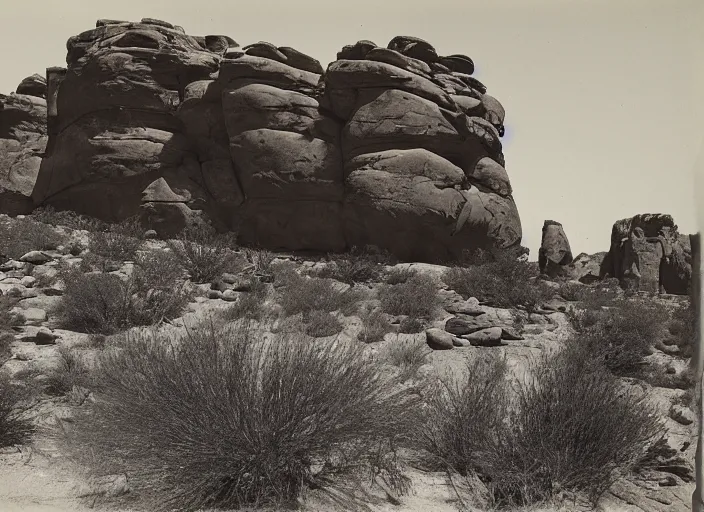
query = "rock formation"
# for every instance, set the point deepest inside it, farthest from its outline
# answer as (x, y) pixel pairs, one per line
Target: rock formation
(554, 253)
(22, 144)
(397, 147)
(648, 253)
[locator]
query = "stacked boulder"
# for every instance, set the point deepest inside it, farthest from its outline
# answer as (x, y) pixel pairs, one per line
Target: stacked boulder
(393, 146)
(22, 143)
(649, 254)
(554, 253)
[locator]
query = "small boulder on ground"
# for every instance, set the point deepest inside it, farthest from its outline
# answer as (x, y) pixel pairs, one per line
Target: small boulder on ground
(438, 339)
(36, 258)
(490, 337)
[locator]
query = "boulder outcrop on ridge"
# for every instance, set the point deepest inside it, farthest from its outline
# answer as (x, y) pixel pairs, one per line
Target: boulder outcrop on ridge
(397, 147)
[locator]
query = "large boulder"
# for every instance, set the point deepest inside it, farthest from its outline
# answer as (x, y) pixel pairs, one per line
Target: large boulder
(393, 146)
(648, 253)
(23, 139)
(554, 252)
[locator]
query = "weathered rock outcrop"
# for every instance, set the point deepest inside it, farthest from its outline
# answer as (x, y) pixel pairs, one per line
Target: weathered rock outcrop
(648, 253)
(397, 147)
(22, 144)
(554, 253)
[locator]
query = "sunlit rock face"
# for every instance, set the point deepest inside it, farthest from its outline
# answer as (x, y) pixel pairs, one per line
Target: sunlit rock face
(393, 146)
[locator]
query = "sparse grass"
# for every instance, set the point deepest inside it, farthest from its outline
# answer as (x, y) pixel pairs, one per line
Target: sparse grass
(399, 276)
(249, 305)
(375, 325)
(20, 236)
(15, 426)
(204, 254)
(319, 324)
(408, 355)
(500, 279)
(67, 218)
(222, 418)
(416, 298)
(307, 294)
(261, 260)
(574, 428)
(6, 339)
(105, 303)
(117, 242)
(411, 325)
(359, 265)
(71, 371)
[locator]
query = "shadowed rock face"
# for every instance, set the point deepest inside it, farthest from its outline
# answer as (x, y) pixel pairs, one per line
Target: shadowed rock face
(22, 143)
(648, 253)
(554, 253)
(397, 147)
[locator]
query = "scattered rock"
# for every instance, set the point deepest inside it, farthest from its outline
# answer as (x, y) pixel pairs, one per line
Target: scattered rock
(230, 295)
(214, 294)
(438, 339)
(509, 334)
(38, 335)
(490, 337)
(682, 415)
(469, 308)
(29, 316)
(36, 258)
(461, 326)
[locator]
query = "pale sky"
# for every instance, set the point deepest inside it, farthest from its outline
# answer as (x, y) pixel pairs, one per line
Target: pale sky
(604, 98)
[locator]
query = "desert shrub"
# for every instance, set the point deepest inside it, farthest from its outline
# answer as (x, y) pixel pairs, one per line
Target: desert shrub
(105, 303)
(620, 337)
(224, 418)
(261, 259)
(204, 254)
(319, 324)
(416, 298)
(681, 328)
(375, 325)
(500, 279)
(6, 339)
(15, 426)
(117, 242)
(71, 371)
(574, 427)
(306, 294)
(408, 355)
(596, 299)
(20, 236)
(7, 302)
(464, 412)
(571, 291)
(359, 265)
(49, 215)
(399, 275)
(411, 325)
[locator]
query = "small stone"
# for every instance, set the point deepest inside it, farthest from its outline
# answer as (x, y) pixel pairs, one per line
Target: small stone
(485, 338)
(682, 415)
(510, 334)
(229, 278)
(671, 370)
(230, 295)
(112, 267)
(459, 342)
(150, 234)
(30, 315)
(438, 339)
(54, 291)
(668, 481)
(36, 257)
(29, 293)
(28, 281)
(38, 335)
(242, 285)
(219, 285)
(214, 294)
(465, 308)
(11, 265)
(460, 326)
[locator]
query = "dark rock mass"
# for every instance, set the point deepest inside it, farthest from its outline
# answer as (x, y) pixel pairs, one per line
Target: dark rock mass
(393, 146)
(554, 253)
(648, 253)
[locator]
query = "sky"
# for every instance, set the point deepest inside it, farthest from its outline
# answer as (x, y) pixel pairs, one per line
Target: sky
(603, 98)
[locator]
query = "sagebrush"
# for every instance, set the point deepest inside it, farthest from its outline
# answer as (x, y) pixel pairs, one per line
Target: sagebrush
(223, 418)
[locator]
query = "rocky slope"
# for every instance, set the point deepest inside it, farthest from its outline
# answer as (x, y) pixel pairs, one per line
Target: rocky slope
(394, 146)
